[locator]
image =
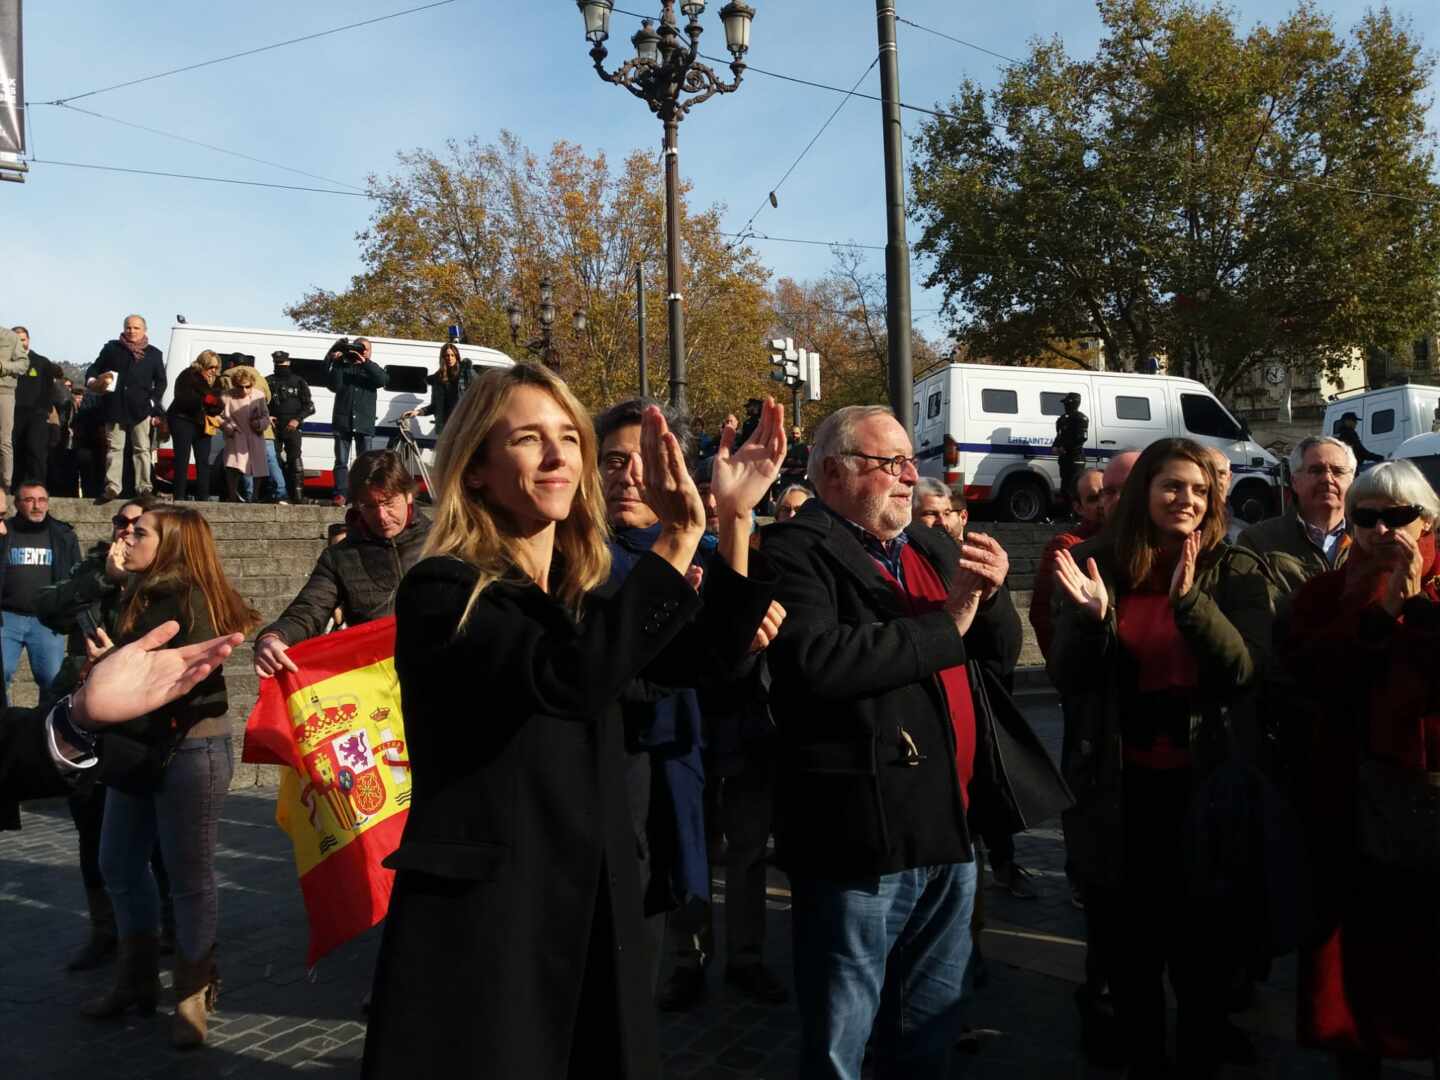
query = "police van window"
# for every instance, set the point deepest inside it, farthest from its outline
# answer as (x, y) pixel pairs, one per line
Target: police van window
(1000, 401)
(1382, 421)
(1132, 408)
(405, 379)
(1052, 403)
(932, 407)
(312, 371)
(1205, 416)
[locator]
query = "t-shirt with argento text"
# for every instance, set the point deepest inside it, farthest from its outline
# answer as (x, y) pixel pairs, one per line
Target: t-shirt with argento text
(29, 566)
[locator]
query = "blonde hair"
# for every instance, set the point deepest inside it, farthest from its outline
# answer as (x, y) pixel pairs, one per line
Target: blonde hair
(207, 358)
(465, 527)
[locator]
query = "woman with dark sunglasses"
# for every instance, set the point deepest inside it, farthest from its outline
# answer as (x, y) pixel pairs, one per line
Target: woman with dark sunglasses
(1370, 972)
(1158, 626)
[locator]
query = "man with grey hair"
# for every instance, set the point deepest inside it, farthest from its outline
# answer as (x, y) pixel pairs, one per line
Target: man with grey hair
(885, 751)
(1312, 538)
(129, 376)
(934, 506)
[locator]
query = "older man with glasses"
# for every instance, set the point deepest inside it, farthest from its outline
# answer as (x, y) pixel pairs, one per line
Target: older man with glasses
(1312, 538)
(879, 681)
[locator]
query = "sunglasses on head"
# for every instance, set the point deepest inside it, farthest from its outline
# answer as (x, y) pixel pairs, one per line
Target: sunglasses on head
(120, 521)
(1395, 517)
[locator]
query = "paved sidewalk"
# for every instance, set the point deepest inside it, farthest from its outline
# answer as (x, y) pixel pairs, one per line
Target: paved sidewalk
(277, 1019)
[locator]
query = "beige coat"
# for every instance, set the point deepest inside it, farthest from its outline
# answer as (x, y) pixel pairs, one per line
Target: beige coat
(244, 447)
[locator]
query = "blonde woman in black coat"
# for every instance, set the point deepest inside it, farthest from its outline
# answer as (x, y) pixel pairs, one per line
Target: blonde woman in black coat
(513, 943)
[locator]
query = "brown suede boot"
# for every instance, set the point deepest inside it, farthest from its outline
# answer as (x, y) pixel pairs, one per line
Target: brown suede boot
(100, 947)
(137, 980)
(197, 988)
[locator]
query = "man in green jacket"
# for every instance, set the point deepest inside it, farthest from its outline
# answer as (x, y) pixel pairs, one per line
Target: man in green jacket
(1312, 538)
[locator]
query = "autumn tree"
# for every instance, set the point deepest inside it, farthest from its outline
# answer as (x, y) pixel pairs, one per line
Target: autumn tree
(842, 317)
(455, 236)
(1224, 199)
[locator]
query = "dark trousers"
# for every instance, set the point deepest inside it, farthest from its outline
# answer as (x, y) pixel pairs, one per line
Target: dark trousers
(87, 811)
(1070, 469)
(32, 447)
(1155, 931)
(189, 438)
(90, 465)
(64, 473)
(287, 448)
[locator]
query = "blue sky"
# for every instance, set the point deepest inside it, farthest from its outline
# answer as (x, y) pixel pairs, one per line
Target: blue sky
(87, 247)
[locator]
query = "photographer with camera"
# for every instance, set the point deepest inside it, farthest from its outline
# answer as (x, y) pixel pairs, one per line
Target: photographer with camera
(354, 378)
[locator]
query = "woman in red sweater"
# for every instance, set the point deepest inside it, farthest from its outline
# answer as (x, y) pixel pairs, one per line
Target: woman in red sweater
(1153, 637)
(1370, 976)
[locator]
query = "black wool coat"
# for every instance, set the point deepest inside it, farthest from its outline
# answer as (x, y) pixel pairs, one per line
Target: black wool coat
(513, 945)
(355, 387)
(138, 387)
(853, 673)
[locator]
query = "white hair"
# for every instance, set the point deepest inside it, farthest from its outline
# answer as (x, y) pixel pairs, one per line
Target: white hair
(1305, 445)
(836, 435)
(927, 486)
(1399, 482)
(794, 487)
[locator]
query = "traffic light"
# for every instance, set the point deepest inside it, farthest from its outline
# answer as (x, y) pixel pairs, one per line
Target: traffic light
(784, 361)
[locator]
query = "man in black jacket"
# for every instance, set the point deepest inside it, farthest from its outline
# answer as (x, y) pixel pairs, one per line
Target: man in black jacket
(129, 375)
(890, 626)
(354, 378)
(34, 398)
(290, 404)
(38, 550)
(359, 575)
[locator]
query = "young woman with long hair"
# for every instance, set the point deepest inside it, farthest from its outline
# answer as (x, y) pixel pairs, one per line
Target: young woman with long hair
(180, 771)
(1162, 628)
(447, 386)
(513, 945)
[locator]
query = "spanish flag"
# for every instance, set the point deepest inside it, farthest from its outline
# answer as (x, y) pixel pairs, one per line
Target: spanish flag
(345, 791)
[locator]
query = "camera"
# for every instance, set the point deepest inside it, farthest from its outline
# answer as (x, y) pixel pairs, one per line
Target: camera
(346, 351)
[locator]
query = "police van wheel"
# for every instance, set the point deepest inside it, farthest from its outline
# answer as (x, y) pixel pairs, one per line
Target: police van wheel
(1251, 504)
(1023, 499)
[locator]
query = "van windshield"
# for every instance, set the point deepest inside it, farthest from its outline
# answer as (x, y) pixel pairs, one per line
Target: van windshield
(1206, 416)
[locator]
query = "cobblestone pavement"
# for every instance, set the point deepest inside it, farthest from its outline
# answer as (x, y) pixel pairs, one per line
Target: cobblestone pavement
(275, 1018)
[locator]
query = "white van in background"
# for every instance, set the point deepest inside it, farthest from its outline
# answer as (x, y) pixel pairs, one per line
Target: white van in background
(987, 430)
(407, 364)
(1387, 416)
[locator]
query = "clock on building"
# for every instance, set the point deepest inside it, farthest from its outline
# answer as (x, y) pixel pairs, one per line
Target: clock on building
(1274, 374)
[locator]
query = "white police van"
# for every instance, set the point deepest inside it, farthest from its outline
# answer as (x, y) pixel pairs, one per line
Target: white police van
(986, 429)
(1385, 417)
(407, 365)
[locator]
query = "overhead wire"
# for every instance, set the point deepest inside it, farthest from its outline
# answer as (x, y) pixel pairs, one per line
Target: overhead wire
(205, 145)
(769, 199)
(249, 52)
(208, 179)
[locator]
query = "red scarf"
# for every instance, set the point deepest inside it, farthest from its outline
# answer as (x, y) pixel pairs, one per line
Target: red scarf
(137, 348)
(923, 592)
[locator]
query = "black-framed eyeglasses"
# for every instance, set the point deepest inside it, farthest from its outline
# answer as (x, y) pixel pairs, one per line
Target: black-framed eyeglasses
(1395, 517)
(892, 465)
(120, 521)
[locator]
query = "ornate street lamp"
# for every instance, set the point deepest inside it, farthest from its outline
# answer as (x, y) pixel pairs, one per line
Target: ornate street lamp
(541, 347)
(662, 73)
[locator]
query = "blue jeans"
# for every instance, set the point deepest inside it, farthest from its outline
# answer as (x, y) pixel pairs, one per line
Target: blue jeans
(887, 953)
(276, 476)
(363, 444)
(184, 814)
(45, 646)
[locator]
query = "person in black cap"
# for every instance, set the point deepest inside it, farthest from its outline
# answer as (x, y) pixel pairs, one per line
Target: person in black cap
(1347, 433)
(1072, 428)
(290, 404)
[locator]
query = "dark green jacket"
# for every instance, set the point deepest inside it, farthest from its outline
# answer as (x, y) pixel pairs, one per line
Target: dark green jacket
(1287, 548)
(354, 386)
(1224, 619)
(201, 711)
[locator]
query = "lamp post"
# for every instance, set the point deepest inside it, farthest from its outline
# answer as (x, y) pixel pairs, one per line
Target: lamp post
(541, 347)
(662, 72)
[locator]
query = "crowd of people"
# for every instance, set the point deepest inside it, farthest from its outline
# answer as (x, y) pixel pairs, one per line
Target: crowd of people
(1250, 741)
